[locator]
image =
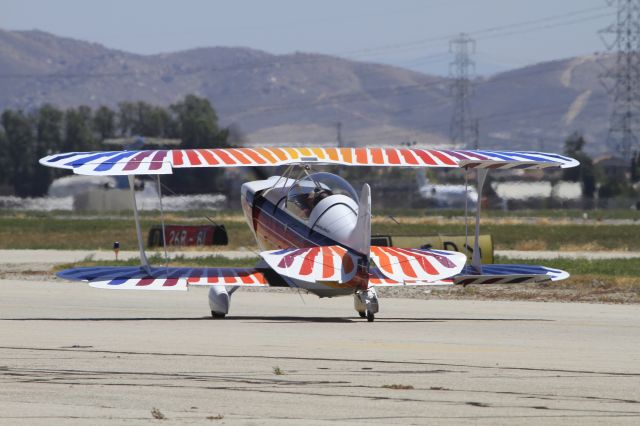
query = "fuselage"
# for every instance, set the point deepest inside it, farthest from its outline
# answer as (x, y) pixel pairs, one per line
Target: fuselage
(286, 213)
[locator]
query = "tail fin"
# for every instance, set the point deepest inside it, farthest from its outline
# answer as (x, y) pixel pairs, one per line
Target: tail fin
(361, 236)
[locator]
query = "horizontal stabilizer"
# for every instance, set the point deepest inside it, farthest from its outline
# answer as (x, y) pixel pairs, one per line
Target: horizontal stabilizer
(314, 264)
(406, 265)
(162, 278)
(164, 161)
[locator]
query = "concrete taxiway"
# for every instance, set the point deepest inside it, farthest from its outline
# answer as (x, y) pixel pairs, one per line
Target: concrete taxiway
(70, 354)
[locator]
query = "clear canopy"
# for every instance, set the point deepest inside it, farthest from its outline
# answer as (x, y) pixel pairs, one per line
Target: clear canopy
(306, 193)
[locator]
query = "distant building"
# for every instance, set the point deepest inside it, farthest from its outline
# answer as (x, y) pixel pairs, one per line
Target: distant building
(614, 168)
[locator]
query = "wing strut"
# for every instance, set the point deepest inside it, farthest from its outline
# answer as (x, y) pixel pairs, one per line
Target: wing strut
(476, 259)
(143, 256)
(164, 235)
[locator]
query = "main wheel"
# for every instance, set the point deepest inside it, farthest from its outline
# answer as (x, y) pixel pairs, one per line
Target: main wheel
(362, 314)
(370, 316)
(217, 315)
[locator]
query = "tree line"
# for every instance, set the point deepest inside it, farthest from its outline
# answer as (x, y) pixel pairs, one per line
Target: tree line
(26, 136)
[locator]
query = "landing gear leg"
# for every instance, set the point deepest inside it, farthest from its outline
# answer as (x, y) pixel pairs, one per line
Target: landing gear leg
(366, 303)
(370, 316)
(219, 300)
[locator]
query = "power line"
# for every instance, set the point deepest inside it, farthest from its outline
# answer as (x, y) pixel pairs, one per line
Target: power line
(304, 58)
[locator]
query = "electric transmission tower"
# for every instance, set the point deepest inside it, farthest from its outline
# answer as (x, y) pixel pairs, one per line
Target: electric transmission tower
(463, 128)
(622, 80)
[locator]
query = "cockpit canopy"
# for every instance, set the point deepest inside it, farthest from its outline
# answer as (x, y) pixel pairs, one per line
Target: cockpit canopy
(306, 193)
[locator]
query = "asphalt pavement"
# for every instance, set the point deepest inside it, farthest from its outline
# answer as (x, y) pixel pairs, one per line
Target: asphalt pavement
(70, 354)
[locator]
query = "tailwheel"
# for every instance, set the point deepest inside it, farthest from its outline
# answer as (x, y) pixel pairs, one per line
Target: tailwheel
(370, 316)
(217, 315)
(362, 314)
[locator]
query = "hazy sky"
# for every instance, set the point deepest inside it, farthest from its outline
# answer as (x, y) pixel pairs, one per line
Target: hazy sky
(407, 33)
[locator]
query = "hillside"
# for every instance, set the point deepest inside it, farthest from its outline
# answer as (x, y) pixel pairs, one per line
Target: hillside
(299, 98)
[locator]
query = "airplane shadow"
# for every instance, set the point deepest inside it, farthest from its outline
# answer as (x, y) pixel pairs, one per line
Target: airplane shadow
(276, 319)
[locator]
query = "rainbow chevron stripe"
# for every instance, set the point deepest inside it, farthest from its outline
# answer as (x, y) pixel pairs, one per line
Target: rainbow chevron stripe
(164, 161)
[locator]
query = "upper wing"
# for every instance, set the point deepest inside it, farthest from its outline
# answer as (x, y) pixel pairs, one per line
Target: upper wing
(164, 161)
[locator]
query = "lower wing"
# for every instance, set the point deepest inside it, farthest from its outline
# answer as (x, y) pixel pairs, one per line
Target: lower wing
(163, 278)
(491, 274)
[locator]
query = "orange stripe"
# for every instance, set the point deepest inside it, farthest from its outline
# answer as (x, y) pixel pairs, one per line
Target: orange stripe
(224, 156)
(259, 276)
(292, 153)
(246, 278)
(279, 153)
(208, 156)
(407, 269)
(383, 259)
(319, 152)
(376, 154)
(327, 262)
(267, 154)
(212, 280)
(346, 155)
(240, 156)
(332, 153)
(305, 152)
(361, 156)
(392, 155)
(255, 157)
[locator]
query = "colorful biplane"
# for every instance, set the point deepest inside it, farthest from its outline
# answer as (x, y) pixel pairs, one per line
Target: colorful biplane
(313, 228)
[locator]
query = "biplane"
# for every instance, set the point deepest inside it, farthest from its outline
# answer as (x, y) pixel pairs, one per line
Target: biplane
(313, 228)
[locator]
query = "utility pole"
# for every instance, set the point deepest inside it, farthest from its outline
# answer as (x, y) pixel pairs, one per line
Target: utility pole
(339, 134)
(622, 80)
(463, 127)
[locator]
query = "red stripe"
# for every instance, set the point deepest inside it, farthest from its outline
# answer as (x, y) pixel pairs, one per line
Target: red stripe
(178, 159)
(170, 282)
(425, 157)
(422, 260)
(308, 262)
(408, 157)
(442, 157)
(193, 157)
(376, 155)
(392, 155)
(403, 260)
(145, 282)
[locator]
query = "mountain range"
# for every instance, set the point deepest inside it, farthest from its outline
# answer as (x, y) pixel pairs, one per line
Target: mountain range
(300, 98)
